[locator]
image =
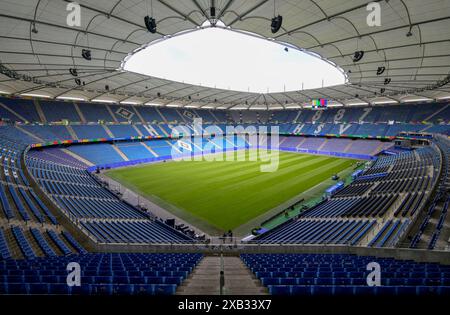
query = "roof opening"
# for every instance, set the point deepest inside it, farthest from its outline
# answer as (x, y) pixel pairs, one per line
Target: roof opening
(220, 57)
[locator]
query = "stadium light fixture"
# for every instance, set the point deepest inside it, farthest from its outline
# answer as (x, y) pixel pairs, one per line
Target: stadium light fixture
(152, 104)
(173, 105)
(357, 103)
(4, 92)
(36, 95)
(443, 97)
(103, 101)
(130, 102)
(385, 102)
(71, 98)
(420, 99)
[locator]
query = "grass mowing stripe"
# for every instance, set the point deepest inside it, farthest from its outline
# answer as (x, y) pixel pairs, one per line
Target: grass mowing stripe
(209, 175)
(277, 192)
(246, 172)
(228, 194)
(231, 174)
(286, 172)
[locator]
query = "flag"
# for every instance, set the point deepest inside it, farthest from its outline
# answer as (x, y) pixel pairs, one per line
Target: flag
(125, 113)
(184, 145)
(189, 114)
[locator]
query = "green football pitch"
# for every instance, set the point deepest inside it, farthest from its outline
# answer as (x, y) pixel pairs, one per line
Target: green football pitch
(223, 195)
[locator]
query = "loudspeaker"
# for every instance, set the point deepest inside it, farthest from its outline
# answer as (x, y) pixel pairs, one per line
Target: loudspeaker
(78, 81)
(150, 24)
(380, 70)
(382, 90)
(86, 54)
(387, 81)
(73, 72)
(276, 24)
(358, 55)
(107, 87)
(212, 11)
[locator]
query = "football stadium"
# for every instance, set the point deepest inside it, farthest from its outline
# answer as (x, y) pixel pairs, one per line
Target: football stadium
(225, 147)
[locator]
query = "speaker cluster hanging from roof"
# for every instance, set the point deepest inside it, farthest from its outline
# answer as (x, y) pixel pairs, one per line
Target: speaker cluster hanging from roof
(277, 20)
(73, 72)
(276, 24)
(380, 70)
(150, 22)
(86, 54)
(33, 28)
(358, 55)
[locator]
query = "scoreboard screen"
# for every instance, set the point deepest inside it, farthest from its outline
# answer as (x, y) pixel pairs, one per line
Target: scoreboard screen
(319, 103)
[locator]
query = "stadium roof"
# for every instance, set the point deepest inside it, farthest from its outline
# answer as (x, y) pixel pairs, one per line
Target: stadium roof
(38, 48)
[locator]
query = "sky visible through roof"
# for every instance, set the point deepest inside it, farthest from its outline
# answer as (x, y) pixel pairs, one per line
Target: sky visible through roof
(220, 58)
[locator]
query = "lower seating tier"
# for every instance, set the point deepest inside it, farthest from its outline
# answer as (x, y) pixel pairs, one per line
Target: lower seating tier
(104, 274)
(345, 274)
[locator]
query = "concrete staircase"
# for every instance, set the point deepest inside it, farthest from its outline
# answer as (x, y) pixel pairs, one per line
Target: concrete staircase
(72, 132)
(239, 280)
(111, 113)
(214, 116)
(162, 116)
(137, 130)
(205, 279)
(13, 112)
(40, 111)
(79, 112)
(29, 133)
(14, 248)
(138, 114)
(79, 158)
(108, 131)
(149, 149)
(122, 155)
(33, 243)
(431, 227)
